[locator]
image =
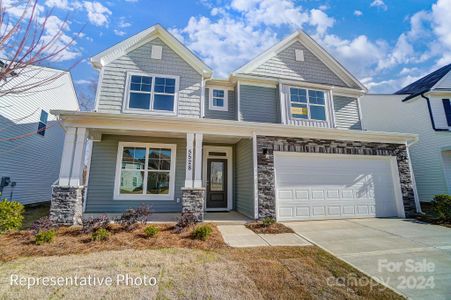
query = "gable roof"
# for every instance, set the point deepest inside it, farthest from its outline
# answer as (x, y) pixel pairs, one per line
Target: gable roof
(424, 84)
(314, 47)
(145, 36)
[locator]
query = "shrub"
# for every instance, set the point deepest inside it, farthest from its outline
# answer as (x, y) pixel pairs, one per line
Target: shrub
(202, 232)
(132, 216)
(92, 224)
(100, 234)
(268, 221)
(151, 230)
(11, 215)
(42, 224)
(187, 219)
(45, 236)
(441, 208)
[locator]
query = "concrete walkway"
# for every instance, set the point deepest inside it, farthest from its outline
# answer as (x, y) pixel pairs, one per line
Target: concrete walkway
(410, 257)
(239, 236)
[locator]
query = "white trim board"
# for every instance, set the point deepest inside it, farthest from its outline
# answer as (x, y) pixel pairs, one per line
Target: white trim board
(229, 156)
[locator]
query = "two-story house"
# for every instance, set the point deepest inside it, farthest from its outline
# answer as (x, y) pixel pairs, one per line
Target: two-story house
(423, 108)
(280, 137)
(31, 139)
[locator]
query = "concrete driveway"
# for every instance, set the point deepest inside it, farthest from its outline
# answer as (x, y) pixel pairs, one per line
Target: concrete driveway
(412, 258)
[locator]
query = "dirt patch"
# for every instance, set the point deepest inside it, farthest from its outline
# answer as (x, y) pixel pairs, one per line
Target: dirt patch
(271, 229)
(70, 240)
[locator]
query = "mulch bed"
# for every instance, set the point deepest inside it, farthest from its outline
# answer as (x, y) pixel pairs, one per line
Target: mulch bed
(70, 240)
(427, 216)
(275, 228)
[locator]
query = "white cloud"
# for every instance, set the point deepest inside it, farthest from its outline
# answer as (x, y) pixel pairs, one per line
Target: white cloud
(321, 20)
(441, 12)
(380, 4)
(98, 14)
(62, 4)
(358, 13)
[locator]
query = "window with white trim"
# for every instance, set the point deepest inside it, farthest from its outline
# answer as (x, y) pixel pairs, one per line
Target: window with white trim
(145, 172)
(152, 93)
(42, 125)
(307, 104)
(218, 99)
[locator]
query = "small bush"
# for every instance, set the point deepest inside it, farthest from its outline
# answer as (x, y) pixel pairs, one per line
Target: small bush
(42, 224)
(11, 215)
(151, 230)
(268, 221)
(93, 224)
(441, 208)
(133, 216)
(100, 234)
(187, 219)
(202, 232)
(45, 237)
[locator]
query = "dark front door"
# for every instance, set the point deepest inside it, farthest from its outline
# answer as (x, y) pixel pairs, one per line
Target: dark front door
(217, 183)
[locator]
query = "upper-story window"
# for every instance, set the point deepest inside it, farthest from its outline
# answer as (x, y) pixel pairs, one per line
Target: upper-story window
(307, 104)
(42, 125)
(218, 99)
(152, 93)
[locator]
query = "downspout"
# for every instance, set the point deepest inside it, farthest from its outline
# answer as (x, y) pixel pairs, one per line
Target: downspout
(414, 183)
(430, 114)
(202, 98)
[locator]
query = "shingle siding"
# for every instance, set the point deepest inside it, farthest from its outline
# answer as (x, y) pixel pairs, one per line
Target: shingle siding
(103, 170)
(347, 114)
(244, 178)
(259, 104)
(284, 65)
(230, 114)
(112, 87)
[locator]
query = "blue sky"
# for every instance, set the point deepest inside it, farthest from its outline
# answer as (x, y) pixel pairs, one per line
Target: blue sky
(384, 43)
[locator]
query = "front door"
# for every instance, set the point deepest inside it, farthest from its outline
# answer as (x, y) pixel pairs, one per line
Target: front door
(216, 183)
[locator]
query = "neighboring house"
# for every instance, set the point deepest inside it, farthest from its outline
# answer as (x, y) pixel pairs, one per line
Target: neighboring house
(280, 137)
(31, 139)
(422, 107)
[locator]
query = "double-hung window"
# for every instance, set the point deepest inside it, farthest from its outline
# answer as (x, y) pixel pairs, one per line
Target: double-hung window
(218, 99)
(155, 93)
(145, 172)
(307, 104)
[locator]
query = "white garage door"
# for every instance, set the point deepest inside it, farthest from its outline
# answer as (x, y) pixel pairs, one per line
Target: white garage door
(322, 186)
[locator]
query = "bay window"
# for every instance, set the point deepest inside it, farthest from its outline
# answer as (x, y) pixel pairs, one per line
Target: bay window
(145, 172)
(151, 93)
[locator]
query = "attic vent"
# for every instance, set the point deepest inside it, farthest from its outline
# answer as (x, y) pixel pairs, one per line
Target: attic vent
(156, 52)
(299, 54)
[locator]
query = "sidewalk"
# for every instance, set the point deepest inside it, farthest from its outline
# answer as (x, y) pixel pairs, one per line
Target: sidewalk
(239, 236)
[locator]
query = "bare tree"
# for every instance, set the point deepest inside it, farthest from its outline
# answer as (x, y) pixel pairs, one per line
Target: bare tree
(25, 41)
(87, 95)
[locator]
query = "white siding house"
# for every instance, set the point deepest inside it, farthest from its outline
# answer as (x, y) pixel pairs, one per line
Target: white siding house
(30, 157)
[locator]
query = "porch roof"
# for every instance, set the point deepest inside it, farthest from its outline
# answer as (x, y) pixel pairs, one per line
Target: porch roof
(132, 123)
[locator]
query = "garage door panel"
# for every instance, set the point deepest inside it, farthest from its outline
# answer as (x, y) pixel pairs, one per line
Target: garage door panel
(313, 188)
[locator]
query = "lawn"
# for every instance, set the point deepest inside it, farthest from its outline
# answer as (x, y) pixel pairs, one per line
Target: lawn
(182, 273)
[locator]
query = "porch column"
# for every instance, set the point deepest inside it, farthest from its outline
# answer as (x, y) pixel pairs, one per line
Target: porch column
(66, 158)
(198, 161)
(189, 160)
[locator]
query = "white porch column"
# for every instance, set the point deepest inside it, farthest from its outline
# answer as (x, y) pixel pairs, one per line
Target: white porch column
(76, 177)
(198, 161)
(189, 160)
(66, 158)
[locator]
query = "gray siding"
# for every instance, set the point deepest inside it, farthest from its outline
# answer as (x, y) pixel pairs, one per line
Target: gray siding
(230, 114)
(259, 104)
(32, 162)
(103, 169)
(114, 78)
(347, 114)
(244, 183)
(284, 65)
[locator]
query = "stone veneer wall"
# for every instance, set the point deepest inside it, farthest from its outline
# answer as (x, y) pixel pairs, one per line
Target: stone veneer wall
(193, 200)
(266, 145)
(66, 207)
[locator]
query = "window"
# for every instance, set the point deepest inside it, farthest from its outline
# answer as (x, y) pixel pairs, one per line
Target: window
(152, 93)
(447, 108)
(145, 172)
(218, 99)
(43, 122)
(307, 104)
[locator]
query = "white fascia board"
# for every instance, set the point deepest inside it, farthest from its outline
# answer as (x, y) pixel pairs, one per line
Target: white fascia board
(134, 122)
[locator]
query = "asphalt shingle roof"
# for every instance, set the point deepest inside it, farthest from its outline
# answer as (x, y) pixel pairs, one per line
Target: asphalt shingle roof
(424, 84)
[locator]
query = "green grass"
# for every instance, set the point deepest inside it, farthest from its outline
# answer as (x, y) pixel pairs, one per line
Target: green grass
(34, 212)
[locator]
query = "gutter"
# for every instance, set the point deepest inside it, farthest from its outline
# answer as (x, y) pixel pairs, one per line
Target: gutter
(430, 113)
